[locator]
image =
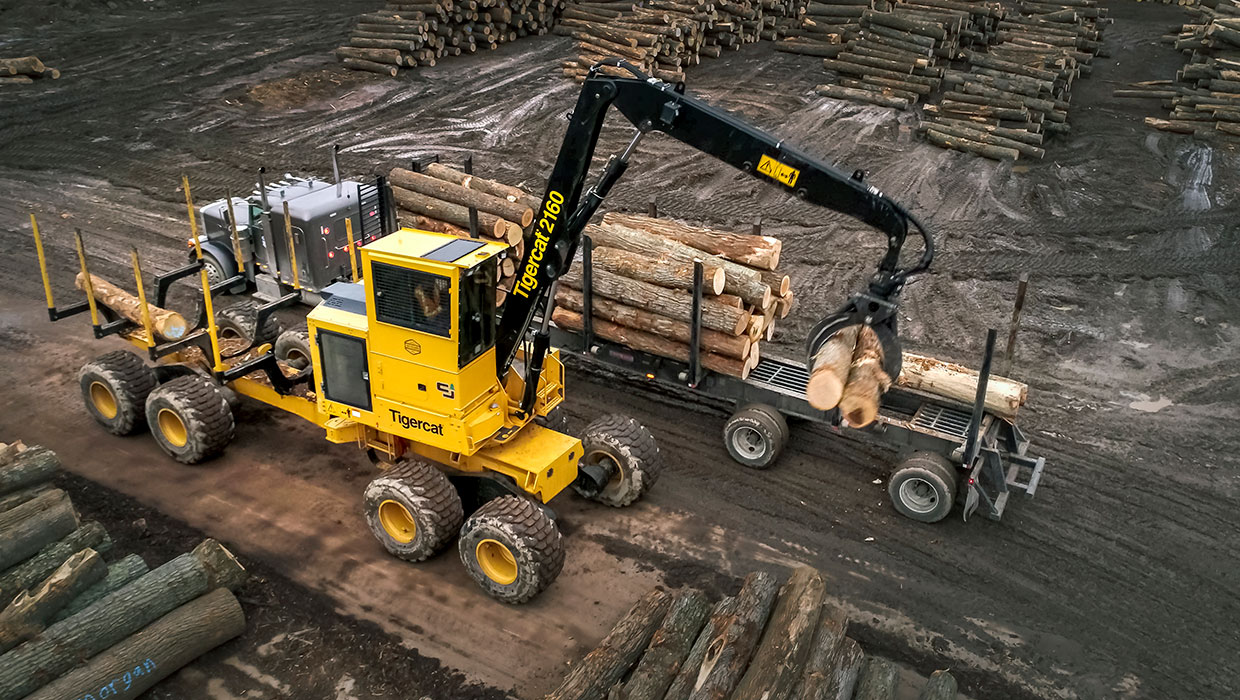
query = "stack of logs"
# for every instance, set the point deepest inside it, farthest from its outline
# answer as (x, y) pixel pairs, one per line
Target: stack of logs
(24, 70)
(411, 33)
(643, 270)
(767, 641)
(76, 626)
(439, 199)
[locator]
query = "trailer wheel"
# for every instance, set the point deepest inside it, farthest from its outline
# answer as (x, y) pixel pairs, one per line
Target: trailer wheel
(628, 448)
(241, 320)
(923, 487)
(293, 348)
(413, 510)
(190, 419)
(755, 436)
(512, 549)
(114, 389)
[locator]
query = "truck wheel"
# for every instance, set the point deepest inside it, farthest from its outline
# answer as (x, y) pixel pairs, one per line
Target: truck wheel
(512, 549)
(625, 446)
(755, 436)
(240, 321)
(923, 487)
(293, 348)
(114, 389)
(190, 419)
(413, 510)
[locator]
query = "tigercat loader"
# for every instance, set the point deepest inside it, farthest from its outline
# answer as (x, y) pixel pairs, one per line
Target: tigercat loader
(414, 364)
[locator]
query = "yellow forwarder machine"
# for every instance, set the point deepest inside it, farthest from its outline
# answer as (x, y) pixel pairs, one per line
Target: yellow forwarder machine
(413, 365)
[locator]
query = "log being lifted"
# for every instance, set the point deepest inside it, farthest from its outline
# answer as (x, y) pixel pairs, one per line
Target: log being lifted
(867, 381)
(464, 196)
(1004, 396)
(829, 369)
(730, 651)
(32, 610)
(669, 302)
(488, 224)
(168, 325)
(780, 657)
(665, 273)
(668, 648)
(26, 537)
(27, 468)
(761, 252)
(153, 653)
(603, 668)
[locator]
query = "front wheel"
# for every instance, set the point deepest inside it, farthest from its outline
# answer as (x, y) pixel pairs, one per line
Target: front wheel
(629, 452)
(512, 549)
(923, 487)
(755, 436)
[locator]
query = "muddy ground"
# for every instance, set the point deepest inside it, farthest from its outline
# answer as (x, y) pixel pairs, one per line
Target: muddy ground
(1118, 580)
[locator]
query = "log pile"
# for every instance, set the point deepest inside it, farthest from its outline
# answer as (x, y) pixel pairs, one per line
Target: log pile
(411, 33)
(24, 70)
(643, 271)
(73, 625)
(767, 641)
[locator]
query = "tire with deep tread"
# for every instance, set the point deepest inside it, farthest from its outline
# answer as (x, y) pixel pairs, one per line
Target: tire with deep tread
(632, 449)
(427, 496)
(527, 533)
(923, 487)
(293, 348)
(240, 320)
(203, 412)
(128, 380)
(755, 436)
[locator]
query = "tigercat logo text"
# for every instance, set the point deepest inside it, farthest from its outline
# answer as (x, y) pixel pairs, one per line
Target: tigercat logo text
(413, 423)
(776, 170)
(542, 238)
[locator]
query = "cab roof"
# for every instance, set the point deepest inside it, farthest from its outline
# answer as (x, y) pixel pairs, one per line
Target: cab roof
(440, 247)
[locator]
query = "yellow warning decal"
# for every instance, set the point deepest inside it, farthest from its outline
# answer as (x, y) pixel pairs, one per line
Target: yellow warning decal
(776, 170)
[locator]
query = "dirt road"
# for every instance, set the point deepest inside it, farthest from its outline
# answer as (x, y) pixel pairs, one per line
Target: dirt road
(1119, 580)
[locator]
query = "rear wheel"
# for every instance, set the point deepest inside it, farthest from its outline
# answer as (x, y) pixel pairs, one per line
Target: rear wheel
(413, 510)
(755, 436)
(629, 452)
(923, 487)
(114, 389)
(241, 321)
(293, 348)
(512, 549)
(190, 419)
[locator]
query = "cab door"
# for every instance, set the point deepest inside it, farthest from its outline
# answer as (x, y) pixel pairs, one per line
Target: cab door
(346, 372)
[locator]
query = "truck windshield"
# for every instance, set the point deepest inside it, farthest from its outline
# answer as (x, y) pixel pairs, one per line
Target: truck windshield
(477, 311)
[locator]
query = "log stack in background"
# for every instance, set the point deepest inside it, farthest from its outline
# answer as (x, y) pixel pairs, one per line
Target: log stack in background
(766, 641)
(410, 34)
(25, 70)
(73, 625)
(642, 298)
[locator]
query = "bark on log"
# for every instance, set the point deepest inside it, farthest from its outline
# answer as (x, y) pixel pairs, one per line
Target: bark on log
(785, 304)
(32, 610)
(941, 686)
(41, 503)
(30, 572)
(603, 668)
(778, 662)
(25, 65)
(736, 347)
(669, 302)
(1004, 396)
(665, 273)
(155, 652)
(687, 676)
(25, 538)
(168, 325)
(426, 223)
(825, 659)
(464, 196)
(30, 467)
(654, 344)
(729, 652)
(368, 66)
(21, 496)
(9, 452)
(108, 621)
(388, 56)
(829, 372)
(761, 252)
(843, 681)
(120, 573)
(866, 381)
(877, 680)
(16, 80)
(473, 182)
(983, 136)
(488, 224)
(840, 92)
(943, 140)
(668, 648)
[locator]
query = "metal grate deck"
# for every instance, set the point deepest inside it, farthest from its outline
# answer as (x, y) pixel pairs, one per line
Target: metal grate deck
(942, 419)
(780, 375)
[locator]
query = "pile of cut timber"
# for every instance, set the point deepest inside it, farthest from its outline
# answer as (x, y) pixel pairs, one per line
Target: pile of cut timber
(642, 271)
(439, 199)
(767, 641)
(73, 625)
(410, 34)
(26, 69)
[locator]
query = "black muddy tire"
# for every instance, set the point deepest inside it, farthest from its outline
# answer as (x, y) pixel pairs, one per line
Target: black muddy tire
(240, 321)
(625, 445)
(190, 419)
(923, 487)
(557, 420)
(755, 436)
(413, 510)
(114, 389)
(512, 549)
(293, 348)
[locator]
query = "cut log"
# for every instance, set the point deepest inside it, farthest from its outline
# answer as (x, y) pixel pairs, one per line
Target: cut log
(665, 273)
(30, 572)
(21, 496)
(25, 65)
(736, 347)
(32, 610)
(687, 676)
(653, 344)
(43, 502)
(9, 452)
(15, 80)
(941, 686)
(943, 140)
(489, 224)
(26, 537)
(843, 681)
(603, 668)
(986, 137)
(168, 325)
(155, 652)
(473, 182)
(669, 302)
(29, 467)
(825, 658)
(733, 645)
(779, 660)
(877, 680)
(368, 66)
(426, 223)
(109, 620)
(761, 252)
(866, 381)
(829, 370)
(388, 56)
(120, 573)
(1004, 396)
(464, 196)
(785, 304)
(668, 648)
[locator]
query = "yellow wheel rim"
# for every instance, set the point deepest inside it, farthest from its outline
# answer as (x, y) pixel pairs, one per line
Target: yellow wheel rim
(104, 400)
(172, 427)
(397, 521)
(496, 561)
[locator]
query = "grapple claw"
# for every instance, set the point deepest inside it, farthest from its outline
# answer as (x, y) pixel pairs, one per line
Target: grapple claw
(863, 309)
